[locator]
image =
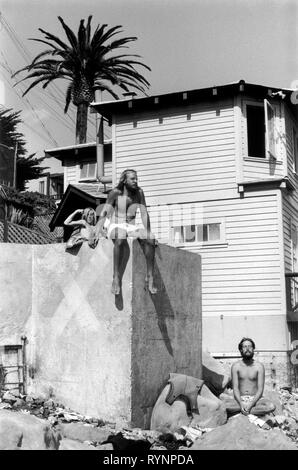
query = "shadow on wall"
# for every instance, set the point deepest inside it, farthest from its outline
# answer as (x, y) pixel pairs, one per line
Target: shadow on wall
(74, 251)
(161, 302)
(272, 165)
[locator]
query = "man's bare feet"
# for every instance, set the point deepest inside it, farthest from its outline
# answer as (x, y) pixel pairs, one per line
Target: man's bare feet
(116, 286)
(150, 284)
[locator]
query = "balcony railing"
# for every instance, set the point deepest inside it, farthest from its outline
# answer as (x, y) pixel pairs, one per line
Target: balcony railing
(292, 295)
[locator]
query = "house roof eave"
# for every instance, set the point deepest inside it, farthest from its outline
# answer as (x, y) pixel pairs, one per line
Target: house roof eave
(72, 190)
(131, 105)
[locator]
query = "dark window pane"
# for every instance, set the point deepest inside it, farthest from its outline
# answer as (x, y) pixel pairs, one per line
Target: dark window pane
(190, 233)
(255, 131)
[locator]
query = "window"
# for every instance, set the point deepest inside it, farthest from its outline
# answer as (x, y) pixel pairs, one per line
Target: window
(255, 131)
(41, 187)
(88, 170)
(207, 233)
(260, 129)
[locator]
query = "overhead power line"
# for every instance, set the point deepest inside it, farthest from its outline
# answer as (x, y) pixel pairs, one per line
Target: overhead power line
(35, 113)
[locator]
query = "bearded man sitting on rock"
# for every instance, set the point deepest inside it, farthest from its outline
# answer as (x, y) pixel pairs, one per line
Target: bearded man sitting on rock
(248, 378)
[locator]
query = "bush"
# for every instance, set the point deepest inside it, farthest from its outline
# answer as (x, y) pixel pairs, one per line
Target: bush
(31, 202)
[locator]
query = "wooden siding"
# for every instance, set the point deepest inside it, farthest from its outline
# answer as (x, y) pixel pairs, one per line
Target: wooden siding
(241, 276)
(70, 173)
(290, 215)
(290, 122)
(108, 169)
(290, 199)
(262, 169)
(181, 151)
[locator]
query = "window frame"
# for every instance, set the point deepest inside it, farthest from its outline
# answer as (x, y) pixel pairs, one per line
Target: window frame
(88, 178)
(208, 243)
(268, 153)
(295, 150)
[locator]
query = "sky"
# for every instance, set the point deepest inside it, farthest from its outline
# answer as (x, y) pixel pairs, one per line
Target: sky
(188, 44)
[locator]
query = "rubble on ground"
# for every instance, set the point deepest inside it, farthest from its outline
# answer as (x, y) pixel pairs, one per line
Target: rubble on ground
(68, 430)
(240, 434)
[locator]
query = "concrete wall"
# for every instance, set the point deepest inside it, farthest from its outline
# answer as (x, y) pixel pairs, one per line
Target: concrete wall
(100, 355)
(15, 291)
(167, 328)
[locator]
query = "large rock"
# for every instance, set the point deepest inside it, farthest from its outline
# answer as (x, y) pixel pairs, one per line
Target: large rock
(211, 410)
(169, 417)
(70, 444)
(240, 434)
(23, 431)
(165, 417)
(273, 396)
(215, 375)
(84, 432)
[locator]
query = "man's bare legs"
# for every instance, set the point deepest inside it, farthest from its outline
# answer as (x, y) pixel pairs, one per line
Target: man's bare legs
(148, 243)
(119, 238)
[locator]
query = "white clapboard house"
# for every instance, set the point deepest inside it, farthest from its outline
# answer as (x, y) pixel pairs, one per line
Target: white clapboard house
(219, 168)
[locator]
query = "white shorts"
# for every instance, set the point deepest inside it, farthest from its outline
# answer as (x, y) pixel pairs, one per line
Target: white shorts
(247, 398)
(130, 229)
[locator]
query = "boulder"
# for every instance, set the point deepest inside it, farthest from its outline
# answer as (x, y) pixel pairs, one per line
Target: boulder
(239, 434)
(211, 410)
(23, 431)
(84, 432)
(216, 375)
(273, 396)
(169, 417)
(165, 417)
(70, 444)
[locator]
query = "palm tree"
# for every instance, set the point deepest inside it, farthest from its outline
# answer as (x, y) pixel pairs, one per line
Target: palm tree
(89, 64)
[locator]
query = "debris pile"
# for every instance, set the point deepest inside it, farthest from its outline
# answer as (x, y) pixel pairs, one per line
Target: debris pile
(76, 431)
(40, 407)
(240, 434)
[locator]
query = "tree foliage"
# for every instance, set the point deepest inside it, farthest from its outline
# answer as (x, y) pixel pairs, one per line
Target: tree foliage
(88, 62)
(30, 201)
(28, 166)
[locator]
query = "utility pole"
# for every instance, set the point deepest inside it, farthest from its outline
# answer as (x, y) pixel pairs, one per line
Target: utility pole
(15, 166)
(99, 139)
